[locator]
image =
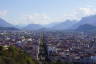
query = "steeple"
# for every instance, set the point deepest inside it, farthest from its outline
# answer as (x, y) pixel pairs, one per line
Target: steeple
(42, 50)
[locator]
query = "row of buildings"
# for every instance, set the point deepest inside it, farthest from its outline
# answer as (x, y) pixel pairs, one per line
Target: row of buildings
(63, 46)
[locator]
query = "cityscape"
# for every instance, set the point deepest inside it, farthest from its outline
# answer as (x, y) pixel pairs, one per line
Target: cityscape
(73, 47)
(47, 32)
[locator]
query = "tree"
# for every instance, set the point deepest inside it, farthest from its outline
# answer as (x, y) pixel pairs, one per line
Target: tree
(14, 55)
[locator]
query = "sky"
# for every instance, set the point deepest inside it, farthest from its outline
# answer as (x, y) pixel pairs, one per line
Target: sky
(23, 12)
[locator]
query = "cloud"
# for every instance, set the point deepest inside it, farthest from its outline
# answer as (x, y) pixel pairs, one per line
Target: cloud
(86, 11)
(43, 18)
(3, 12)
(38, 18)
(79, 13)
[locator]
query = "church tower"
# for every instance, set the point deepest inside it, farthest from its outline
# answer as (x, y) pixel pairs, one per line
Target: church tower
(42, 50)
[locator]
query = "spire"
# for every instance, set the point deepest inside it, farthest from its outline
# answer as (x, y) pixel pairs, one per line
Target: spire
(42, 50)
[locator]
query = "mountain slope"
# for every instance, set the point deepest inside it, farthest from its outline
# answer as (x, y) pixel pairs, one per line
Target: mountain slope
(63, 25)
(8, 28)
(86, 27)
(3, 23)
(91, 20)
(33, 27)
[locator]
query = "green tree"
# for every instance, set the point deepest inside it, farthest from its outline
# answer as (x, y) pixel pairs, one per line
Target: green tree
(14, 55)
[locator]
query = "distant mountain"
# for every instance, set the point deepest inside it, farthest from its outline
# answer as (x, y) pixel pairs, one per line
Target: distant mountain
(86, 27)
(86, 22)
(21, 26)
(91, 20)
(8, 28)
(33, 27)
(66, 25)
(4, 25)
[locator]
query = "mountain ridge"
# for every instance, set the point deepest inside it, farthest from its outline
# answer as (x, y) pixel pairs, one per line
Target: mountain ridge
(64, 25)
(4, 25)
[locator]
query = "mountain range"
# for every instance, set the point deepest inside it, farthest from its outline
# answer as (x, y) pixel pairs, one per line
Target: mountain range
(4, 25)
(86, 23)
(63, 25)
(86, 28)
(33, 27)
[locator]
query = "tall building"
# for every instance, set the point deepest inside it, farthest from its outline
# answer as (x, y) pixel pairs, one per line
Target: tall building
(42, 51)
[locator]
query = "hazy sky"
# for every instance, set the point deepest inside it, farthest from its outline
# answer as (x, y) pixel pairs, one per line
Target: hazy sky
(45, 11)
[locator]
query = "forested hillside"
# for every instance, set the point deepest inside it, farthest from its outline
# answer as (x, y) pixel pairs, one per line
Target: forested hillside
(13, 55)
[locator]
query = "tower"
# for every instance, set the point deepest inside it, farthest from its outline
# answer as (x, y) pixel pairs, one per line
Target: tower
(42, 50)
